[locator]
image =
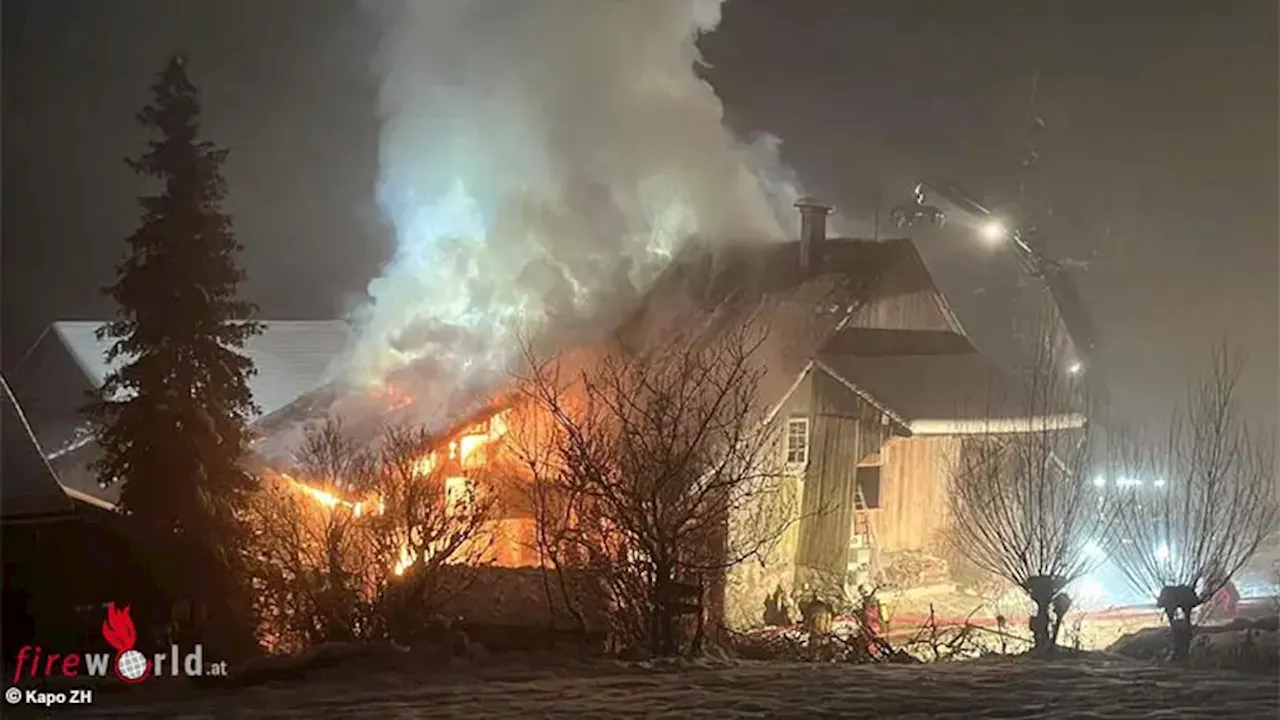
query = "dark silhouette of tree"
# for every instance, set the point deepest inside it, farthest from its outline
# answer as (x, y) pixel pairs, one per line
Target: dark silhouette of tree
(172, 420)
(1213, 508)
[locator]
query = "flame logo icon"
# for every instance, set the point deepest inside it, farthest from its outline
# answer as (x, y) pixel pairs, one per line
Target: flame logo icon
(131, 665)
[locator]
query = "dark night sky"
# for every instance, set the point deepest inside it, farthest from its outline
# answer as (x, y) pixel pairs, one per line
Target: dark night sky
(1161, 164)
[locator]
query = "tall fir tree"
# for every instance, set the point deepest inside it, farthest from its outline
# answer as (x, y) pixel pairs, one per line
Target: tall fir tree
(173, 421)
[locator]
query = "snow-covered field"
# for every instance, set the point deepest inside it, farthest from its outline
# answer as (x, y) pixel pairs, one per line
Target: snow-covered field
(1094, 686)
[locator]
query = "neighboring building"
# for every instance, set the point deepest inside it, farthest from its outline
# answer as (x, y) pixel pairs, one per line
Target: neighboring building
(54, 379)
(30, 490)
(67, 550)
(62, 548)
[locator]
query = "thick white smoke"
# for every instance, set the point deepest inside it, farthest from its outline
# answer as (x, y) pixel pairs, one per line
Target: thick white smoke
(540, 161)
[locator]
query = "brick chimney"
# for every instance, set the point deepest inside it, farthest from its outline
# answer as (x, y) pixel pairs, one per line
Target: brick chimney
(813, 229)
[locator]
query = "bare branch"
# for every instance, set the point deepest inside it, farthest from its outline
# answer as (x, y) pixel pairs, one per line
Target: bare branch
(1023, 505)
(1214, 505)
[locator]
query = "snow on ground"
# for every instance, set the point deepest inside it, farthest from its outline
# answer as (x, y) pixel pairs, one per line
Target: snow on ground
(1092, 686)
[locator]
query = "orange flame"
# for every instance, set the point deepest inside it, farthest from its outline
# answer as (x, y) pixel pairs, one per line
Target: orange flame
(464, 449)
(407, 557)
(118, 628)
(394, 396)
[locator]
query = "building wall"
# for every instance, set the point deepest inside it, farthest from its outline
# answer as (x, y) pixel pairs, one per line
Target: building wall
(511, 543)
(913, 487)
(844, 430)
(749, 584)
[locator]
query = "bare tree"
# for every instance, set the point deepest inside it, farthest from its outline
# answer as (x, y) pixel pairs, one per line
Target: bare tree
(1211, 502)
(365, 542)
(311, 560)
(1022, 504)
(430, 526)
(657, 451)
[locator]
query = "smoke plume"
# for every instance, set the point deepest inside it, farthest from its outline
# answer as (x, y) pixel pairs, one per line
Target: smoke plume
(540, 162)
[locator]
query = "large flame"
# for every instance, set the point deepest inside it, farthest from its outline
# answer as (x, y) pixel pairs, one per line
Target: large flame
(469, 450)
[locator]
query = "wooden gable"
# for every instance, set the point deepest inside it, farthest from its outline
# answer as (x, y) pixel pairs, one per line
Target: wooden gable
(845, 430)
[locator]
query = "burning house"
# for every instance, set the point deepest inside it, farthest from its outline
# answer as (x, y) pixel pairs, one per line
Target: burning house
(871, 400)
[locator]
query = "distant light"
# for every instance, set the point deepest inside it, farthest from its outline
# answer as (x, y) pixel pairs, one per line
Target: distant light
(1091, 591)
(1128, 482)
(1163, 552)
(1093, 549)
(1099, 481)
(1075, 368)
(1159, 483)
(993, 231)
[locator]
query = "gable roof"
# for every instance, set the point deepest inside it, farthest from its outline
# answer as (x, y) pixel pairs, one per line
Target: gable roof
(292, 357)
(30, 489)
(866, 269)
(937, 383)
(1003, 302)
(29, 485)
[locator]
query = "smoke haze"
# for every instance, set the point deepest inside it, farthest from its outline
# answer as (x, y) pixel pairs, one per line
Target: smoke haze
(540, 162)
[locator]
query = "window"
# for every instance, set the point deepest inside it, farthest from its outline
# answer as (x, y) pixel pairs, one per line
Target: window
(457, 496)
(798, 441)
(868, 479)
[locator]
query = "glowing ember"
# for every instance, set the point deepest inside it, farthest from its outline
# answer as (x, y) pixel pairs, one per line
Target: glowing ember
(407, 558)
(424, 465)
(328, 500)
(392, 395)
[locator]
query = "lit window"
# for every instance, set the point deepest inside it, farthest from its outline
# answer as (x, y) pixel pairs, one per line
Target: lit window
(798, 441)
(456, 495)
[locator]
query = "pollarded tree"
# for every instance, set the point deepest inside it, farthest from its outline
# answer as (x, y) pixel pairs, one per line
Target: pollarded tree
(1212, 503)
(1021, 501)
(172, 420)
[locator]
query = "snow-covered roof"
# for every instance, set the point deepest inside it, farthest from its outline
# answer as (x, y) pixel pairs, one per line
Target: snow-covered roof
(929, 380)
(31, 488)
(292, 357)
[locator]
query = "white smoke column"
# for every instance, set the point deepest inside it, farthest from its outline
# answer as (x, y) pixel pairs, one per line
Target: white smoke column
(540, 161)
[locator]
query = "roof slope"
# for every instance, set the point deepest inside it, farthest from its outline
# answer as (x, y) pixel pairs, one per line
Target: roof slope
(1003, 306)
(864, 269)
(931, 376)
(28, 485)
(292, 357)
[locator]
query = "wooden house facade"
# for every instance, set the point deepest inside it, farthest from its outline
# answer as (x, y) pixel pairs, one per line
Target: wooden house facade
(876, 415)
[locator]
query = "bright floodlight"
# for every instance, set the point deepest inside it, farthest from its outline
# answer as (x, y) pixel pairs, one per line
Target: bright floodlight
(1091, 591)
(993, 231)
(1099, 481)
(1094, 550)
(1075, 368)
(1163, 552)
